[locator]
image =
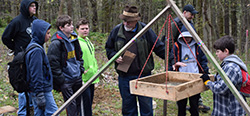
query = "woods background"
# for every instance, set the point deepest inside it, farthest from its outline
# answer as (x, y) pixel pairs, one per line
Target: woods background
(215, 19)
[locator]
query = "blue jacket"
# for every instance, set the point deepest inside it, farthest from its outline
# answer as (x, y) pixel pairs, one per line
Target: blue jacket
(19, 29)
(39, 73)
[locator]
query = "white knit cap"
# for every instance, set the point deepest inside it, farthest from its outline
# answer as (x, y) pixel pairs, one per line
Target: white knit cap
(185, 34)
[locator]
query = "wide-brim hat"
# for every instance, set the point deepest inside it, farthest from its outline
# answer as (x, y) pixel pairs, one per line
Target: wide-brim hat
(130, 13)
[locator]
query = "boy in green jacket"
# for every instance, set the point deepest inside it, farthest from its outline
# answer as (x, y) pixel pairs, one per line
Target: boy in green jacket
(90, 63)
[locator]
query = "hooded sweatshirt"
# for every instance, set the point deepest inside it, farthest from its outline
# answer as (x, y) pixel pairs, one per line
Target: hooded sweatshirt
(17, 34)
(39, 73)
(88, 55)
(236, 60)
(187, 56)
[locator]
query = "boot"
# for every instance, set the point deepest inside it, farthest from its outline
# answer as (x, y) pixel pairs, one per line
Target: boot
(203, 107)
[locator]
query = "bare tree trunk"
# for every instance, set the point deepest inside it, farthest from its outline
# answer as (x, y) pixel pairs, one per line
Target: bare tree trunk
(220, 17)
(205, 21)
(214, 21)
(83, 8)
(70, 8)
(105, 15)
(144, 11)
(94, 16)
(234, 18)
(246, 47)
(61, 7)
(226, 17)
(182, 3)
(243, 25)
(56, 6)
(198, 19)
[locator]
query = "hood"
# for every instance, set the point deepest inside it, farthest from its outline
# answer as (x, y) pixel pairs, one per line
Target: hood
(60, 35)
(39, 29)
(185, 34)
(237, 60)
(24, 8)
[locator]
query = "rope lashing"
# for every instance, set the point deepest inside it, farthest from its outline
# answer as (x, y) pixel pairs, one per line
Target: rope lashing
(150, 53)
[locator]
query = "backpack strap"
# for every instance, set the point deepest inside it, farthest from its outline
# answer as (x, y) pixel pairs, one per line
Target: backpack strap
(30, 48)
(27, 104)
(179, 23)
(244, 74)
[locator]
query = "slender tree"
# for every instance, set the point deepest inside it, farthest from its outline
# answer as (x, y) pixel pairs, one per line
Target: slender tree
(234, 18)
(226, 17)
(70, 8)
(61, 7)
(94, 15)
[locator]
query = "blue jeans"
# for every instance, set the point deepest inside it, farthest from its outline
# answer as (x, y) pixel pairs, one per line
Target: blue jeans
(129, 102)
(50, 107)
(22, 104)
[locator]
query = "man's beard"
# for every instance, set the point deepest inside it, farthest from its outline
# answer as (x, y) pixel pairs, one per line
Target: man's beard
(127, 29)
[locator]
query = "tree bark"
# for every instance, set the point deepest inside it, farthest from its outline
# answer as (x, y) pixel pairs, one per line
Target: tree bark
(94, 15)
(234, 18)
(61, 7)
(226, 17)
(70, 8)
(220, 17)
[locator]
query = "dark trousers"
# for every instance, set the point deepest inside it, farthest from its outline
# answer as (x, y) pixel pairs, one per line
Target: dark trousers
(193, 102)
(92, 91)
(87, 102)
(76, 107)
(129, 102)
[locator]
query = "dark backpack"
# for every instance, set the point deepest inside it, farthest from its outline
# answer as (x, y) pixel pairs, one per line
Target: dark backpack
(17, 71)
(245, 87)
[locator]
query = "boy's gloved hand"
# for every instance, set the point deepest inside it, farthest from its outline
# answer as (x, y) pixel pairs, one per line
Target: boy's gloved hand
(41, 101)
(205, 78)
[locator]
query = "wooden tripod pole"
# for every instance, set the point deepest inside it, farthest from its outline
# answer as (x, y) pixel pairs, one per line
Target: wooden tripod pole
(210, 57)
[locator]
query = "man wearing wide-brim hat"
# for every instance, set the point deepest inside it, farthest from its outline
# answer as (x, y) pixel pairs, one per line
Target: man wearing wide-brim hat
(118, 38)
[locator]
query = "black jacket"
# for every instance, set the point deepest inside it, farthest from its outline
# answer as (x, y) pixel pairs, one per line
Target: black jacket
(57, 55)
(17, 34)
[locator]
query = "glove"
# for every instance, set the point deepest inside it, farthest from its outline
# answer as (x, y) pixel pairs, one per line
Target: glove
(40, 101)
(205, 78)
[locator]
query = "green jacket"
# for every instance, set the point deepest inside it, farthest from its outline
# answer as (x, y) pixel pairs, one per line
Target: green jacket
(90, 62)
